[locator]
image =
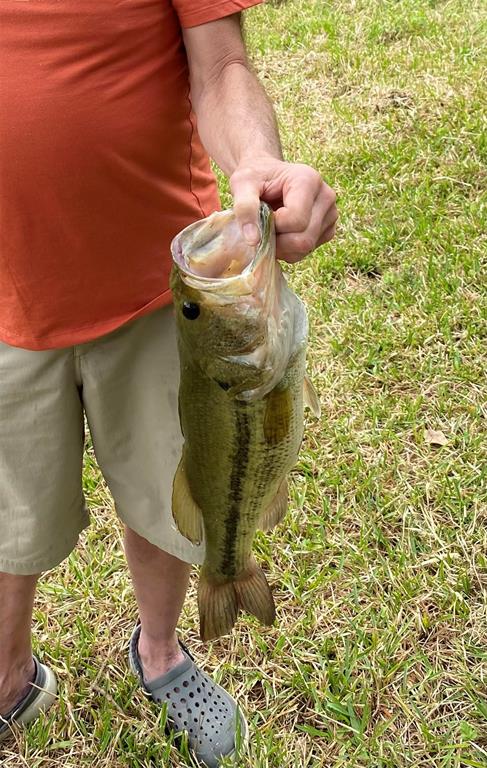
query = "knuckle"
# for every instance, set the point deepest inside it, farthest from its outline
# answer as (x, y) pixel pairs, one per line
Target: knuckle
(314, 178)
(309, 175)
(301, 220)
(242, 175)
(329, 196)
(330, 233)
(332, 196)
(304, 243)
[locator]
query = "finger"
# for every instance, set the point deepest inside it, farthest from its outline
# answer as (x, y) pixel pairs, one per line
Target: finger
(296, 245)
(286, 251)
(299, 196)
(328, 234)
(329, 219)
(246, 189)
(293, 248)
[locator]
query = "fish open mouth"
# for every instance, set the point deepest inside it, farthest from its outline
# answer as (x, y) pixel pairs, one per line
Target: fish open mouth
(243, 287)
(213, 255)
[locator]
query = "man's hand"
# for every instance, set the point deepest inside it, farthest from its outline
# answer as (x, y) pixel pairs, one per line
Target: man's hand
(238, 127)
(305, 209)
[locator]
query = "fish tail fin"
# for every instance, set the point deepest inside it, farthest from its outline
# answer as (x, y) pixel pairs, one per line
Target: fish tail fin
(254, 594)
(219, 603)
(218, 608)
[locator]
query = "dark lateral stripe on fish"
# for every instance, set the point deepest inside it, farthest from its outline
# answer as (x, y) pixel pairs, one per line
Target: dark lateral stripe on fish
(237, 481)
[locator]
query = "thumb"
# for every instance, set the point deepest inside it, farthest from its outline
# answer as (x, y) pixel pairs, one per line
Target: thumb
(246, 204)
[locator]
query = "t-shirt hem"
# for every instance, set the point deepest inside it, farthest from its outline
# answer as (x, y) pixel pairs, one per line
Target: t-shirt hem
(212, 12)
(86, 333)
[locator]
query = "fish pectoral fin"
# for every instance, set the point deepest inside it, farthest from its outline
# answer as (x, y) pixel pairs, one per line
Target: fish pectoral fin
(278, 415)
(275, 512)
(311, 399)
(186, 513)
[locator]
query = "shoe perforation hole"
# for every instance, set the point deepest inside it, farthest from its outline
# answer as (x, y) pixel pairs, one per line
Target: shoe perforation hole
(191, 695)
(196, 704)
(185, 683)
(168, 695)
(177, 690)
(193, 678)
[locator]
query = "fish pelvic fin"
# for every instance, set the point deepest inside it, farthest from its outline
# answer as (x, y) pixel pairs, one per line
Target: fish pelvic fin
(219, 604)
(311, 399)
(186, 513)
(275, 512)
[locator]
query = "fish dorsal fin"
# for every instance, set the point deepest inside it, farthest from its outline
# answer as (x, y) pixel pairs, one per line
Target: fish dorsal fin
(274, 513)
(311, 399)
(186, 513)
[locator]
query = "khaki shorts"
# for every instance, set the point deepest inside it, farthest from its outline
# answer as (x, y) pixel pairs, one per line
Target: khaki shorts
(126, 383)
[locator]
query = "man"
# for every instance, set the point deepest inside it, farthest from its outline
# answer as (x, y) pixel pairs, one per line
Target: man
(101, 165)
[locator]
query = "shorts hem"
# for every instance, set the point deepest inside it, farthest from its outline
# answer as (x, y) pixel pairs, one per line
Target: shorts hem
(188, 554)
(43, 564)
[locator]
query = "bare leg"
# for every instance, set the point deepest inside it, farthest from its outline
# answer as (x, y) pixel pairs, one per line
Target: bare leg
(160, 583)
(16, 663)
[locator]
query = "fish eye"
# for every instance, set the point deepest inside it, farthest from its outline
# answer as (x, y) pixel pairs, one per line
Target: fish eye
(190, 310)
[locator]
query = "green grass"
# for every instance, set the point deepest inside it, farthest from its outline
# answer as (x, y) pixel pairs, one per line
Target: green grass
(379, 655)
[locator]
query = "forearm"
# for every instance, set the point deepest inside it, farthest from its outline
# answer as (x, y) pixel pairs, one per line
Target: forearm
(238, 127)
(236, 120)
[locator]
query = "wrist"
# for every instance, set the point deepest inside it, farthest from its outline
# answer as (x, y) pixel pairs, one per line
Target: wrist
(258, 160)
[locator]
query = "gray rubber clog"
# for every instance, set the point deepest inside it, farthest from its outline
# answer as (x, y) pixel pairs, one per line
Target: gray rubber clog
(197, 705)
(39, 698)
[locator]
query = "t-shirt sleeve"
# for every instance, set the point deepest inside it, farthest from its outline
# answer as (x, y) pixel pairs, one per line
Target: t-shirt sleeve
(194, 12)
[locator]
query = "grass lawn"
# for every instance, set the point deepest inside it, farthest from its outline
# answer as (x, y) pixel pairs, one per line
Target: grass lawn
(379, 655)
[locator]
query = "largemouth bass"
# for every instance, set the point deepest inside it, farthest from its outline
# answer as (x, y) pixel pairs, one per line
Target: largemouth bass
(242, 343)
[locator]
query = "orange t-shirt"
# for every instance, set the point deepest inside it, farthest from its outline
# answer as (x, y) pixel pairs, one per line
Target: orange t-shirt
(100, 161)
